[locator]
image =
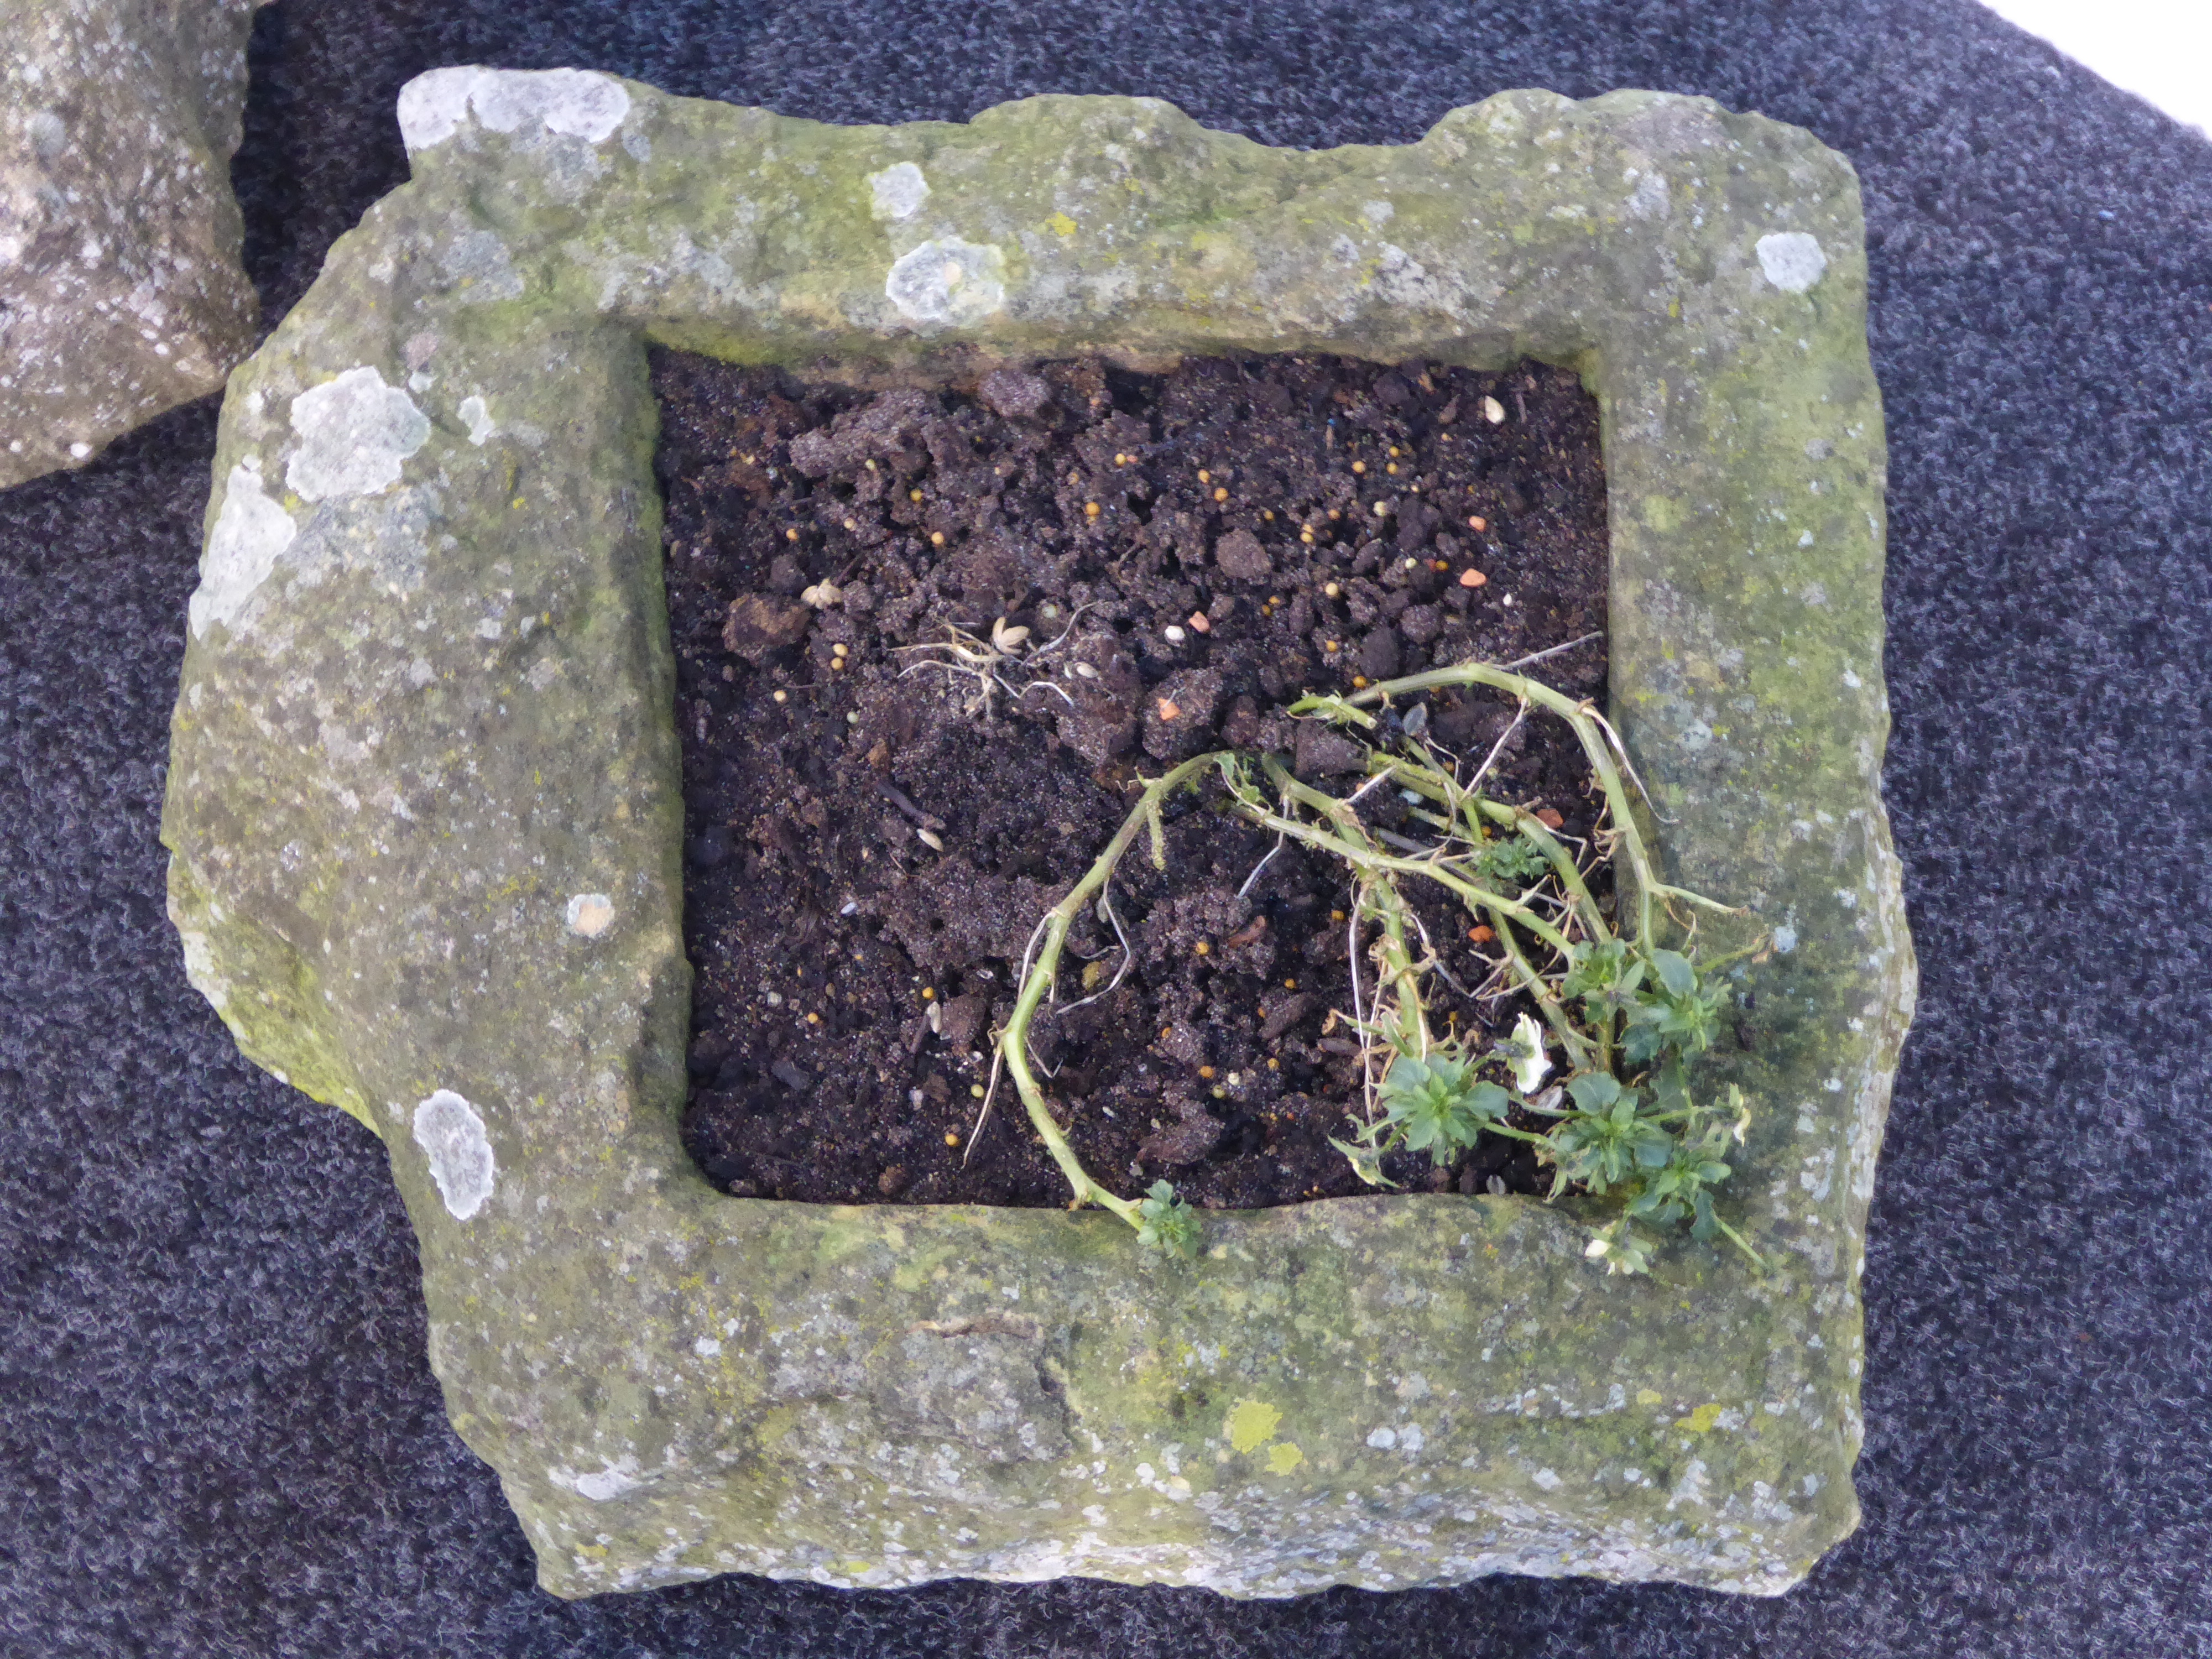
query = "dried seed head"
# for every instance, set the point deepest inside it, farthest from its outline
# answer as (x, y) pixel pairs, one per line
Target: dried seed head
(928, 838)
(1086, 672)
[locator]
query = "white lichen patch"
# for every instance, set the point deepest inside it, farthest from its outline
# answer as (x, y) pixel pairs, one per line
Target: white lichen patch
(589, 914)
(250, 534)
(1650, 199)
(948, 280)
(610, 1482)
(1792, 260)
(575, 103)
(451, 1136)
(199, 968)
(355, 433)
(477, 264)
(899, 191)
(478, 416)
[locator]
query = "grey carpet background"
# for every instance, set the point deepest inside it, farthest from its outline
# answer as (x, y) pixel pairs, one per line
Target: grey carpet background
(218, 1431)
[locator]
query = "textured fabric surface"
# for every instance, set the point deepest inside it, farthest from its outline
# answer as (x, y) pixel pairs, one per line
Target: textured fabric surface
(220, 1434)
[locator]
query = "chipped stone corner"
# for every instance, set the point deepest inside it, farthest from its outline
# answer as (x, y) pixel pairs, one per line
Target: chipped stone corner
(120, 275)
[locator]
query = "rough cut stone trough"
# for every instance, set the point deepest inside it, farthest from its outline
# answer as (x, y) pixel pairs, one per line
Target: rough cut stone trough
(424, 812)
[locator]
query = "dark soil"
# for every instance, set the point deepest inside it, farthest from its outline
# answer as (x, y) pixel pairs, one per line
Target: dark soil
(871, 838)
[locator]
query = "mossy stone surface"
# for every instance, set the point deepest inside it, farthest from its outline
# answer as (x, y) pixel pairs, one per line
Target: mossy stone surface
(425, 817)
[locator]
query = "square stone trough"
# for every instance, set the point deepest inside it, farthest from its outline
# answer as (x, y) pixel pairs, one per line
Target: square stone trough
(425, 814)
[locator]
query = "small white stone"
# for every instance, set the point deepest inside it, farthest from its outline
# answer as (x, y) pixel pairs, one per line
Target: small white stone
(79, 451)
(1792, 260)
(1175, 635)
(1493, 411)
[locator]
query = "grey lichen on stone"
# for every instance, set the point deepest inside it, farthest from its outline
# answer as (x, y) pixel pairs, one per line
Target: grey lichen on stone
(121, 293)
(425, 814)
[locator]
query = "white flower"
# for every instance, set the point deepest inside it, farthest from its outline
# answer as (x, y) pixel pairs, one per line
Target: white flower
(1530, 1062)
(1596, 1248)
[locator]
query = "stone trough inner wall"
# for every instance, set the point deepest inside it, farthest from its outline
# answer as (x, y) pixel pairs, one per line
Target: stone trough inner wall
(425, 817)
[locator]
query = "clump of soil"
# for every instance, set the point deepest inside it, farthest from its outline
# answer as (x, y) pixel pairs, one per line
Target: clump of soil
(875, 821)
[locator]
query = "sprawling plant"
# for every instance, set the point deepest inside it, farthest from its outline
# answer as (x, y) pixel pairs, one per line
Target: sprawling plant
(1625, 1015)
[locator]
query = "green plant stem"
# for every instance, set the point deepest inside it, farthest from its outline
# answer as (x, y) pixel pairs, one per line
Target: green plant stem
(1439, 787)
(1044, 968)
(1739, 1241)
(1364, 854)
(1596, 745)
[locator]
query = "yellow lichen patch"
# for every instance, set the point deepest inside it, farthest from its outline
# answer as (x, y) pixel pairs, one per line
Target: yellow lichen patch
(1284, 1456)
(1649, 1396)
(1060, 225)
(1251, 1423)
(1700, 1421)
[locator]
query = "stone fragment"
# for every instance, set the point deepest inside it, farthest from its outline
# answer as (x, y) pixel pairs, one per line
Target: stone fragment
(1178, 716)
(1181, 1143)
(757, 625)
(1016, 394)
(121, 293)
(1240, 555)
(1323, 752)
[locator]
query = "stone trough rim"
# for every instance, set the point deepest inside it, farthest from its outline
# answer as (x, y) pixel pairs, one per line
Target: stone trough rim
(566, 124)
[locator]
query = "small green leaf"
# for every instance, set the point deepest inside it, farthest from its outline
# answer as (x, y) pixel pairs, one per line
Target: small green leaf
(1675, 972)
(1366, 1161)
(1594, 1090)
